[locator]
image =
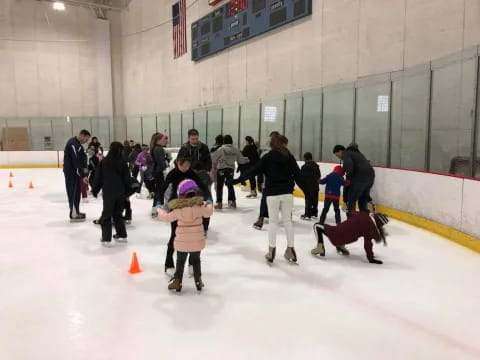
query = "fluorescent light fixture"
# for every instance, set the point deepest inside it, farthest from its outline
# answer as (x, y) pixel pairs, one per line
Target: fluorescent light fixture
(58, 5)
(382, 103)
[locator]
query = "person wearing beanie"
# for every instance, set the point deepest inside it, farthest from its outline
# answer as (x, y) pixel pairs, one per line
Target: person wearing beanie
(311, 175)
(333, 181)
(359, 224)
(188, 210)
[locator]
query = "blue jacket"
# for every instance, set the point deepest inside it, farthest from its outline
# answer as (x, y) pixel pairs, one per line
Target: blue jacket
(333, 183)
(74, 158)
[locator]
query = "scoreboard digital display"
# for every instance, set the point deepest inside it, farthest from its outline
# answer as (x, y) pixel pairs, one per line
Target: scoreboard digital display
(240, 20)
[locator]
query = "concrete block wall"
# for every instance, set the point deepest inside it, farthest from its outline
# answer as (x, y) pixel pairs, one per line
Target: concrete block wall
(53, 63)
(342, 41)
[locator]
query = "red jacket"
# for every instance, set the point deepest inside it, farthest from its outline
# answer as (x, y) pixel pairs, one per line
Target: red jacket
(360, 224)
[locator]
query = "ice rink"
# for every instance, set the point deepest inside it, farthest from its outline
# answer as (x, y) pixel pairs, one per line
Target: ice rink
(63, 296)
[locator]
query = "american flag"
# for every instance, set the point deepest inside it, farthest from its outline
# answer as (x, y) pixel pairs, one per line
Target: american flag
(179, 18)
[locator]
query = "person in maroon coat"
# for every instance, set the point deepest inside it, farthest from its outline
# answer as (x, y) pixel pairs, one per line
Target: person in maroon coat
(360, 224)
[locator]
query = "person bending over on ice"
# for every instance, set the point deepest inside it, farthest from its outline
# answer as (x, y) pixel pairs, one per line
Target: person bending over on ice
(188, 210)
(359, 224)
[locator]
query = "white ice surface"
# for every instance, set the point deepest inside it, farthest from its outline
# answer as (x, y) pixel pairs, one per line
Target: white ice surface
(63, 296)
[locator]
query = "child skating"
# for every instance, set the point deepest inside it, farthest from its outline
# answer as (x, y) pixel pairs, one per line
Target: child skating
(359, 224)
(188, 210)
(333, 182)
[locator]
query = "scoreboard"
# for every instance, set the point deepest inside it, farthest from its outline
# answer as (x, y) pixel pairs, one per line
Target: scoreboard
(240, 20)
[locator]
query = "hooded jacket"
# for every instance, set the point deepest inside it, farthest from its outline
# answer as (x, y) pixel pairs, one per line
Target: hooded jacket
(226, 156)
(189, 213)
(281, 173)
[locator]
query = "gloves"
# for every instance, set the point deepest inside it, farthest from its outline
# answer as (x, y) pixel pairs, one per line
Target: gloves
(375, 261)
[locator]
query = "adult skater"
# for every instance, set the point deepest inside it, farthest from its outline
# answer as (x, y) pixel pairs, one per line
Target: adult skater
(359, 224)
(201, 161)
(224, 161)
(74, 169)
(281, 172)
(250, 151)
(361, 176)
(263, 213)
(113, 178)
(157, 152)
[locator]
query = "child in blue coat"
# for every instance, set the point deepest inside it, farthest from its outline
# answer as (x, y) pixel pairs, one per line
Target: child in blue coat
(334, 181)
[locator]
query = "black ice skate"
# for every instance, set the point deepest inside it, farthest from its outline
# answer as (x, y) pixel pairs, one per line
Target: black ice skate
(199, 284)
(120, 239)
(305, 217)
(342, 250)
(258, 224)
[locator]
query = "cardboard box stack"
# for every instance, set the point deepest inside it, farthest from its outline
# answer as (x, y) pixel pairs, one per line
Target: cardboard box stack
(15, 139)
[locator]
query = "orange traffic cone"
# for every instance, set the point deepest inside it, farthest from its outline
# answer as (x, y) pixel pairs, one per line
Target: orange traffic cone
(11, 174)
(134, 267)
(31, 185)
(10, 185)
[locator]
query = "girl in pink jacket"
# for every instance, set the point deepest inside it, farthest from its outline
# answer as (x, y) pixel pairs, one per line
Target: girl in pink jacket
(188, 210)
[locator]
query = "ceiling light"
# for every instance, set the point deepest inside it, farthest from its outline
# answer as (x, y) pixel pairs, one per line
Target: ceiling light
(58, 5)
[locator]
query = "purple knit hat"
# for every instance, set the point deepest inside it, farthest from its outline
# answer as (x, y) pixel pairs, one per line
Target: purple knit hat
(187, 186)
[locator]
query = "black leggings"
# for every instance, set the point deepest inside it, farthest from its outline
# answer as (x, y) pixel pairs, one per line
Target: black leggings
(194, 260)
(113, 208)
(158, 185)
(222, 176)
(326, 207)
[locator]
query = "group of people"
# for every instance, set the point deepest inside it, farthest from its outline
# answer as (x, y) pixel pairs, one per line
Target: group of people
(184, 198)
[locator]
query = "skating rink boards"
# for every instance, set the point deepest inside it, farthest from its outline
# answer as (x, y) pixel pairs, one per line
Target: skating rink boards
(63, 296)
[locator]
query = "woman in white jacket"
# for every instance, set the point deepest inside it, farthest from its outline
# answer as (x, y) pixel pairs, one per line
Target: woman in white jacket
(224, 161)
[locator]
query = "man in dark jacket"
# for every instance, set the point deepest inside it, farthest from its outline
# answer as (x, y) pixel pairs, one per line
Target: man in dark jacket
(201, 161)
(361, 176)
(74, 169)
(311, 176)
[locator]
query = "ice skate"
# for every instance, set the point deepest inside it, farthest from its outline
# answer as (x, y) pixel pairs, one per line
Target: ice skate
(127, 221)
(169, 271)
(252, 195)
(77, 218)
(342, 250)
(218, 206)
(305, 217)
(154, 212)
(258, 224)
(175, 284)
(106, 243)
(290, 255)
(97, 222)
(199, 284)
(319, 250)
(120, 239)
(232, 204)
(270, 256)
